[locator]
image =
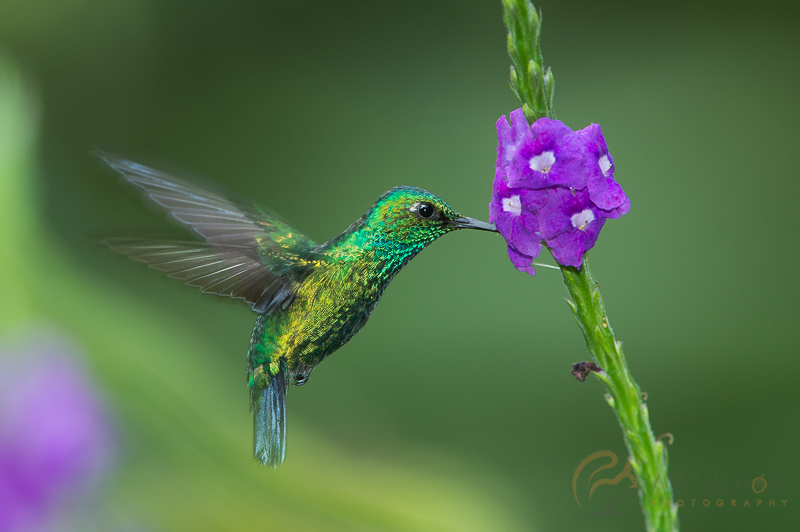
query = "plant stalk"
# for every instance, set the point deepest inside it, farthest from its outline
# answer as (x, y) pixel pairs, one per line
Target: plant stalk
(534, 85)
(648, 456)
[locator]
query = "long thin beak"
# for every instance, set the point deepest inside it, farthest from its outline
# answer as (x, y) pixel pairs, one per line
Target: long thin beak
(471, 223)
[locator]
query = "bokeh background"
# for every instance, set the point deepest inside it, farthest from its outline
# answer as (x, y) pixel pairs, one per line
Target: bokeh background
(454, 408)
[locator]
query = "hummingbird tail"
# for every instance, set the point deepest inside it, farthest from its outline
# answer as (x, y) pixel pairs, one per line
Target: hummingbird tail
(269, 421)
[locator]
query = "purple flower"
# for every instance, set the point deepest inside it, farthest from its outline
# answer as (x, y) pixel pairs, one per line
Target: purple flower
(513, 211)
(570, 223)
(603, 190)
(548, 154)
(54, 435)
(552, 186)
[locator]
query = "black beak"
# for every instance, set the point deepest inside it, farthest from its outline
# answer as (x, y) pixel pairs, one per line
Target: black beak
(471, 223)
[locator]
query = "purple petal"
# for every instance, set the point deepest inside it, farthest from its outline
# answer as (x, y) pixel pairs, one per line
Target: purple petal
(592, 231)
(499, 191)
(504, 142)
(619, 211)
(570, 223)
(625, 207)
(552, 156)
(518, 226)
(524, 237)
(502, 219)
(606, 193)
(556, 215)
(510, 136)
(521, 261)
(533, 200)
(519, 123)
(593, 140)
(568, 248)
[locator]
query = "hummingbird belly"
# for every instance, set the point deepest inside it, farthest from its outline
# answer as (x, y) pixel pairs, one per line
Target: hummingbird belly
(330, 307)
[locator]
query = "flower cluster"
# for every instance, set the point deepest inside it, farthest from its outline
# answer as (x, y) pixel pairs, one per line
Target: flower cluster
(554, 187)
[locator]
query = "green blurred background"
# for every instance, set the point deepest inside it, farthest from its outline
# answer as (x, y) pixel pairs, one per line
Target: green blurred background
(454, 408)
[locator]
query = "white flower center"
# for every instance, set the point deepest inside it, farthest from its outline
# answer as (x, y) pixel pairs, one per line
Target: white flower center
(604, 163)
(512, 205)
(582, 219)
(543, 161)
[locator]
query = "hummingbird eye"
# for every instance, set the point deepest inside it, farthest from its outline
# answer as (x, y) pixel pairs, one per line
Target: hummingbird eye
(300, 379)
(425, 210)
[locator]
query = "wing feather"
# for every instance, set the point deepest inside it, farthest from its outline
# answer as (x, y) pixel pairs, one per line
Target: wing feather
(248, 253)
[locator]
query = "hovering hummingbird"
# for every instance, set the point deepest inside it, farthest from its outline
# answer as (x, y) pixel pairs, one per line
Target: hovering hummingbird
(310, 298)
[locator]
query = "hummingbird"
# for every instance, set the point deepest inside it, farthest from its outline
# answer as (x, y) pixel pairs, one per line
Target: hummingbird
(310, 298)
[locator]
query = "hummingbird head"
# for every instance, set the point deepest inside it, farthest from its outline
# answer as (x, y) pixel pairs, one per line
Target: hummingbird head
(414, 217)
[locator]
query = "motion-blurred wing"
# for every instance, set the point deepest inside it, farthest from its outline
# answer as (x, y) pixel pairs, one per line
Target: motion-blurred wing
(224, 270)
(249, 254)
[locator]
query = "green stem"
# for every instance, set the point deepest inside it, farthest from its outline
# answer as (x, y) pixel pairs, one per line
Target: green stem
(534, 86)
(648, 456)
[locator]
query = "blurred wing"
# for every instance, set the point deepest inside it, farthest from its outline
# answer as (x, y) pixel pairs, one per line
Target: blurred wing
(224, 270)
(249, 254)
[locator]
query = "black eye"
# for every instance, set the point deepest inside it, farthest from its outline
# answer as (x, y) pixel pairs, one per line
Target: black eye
(300, 378)
(425, 210)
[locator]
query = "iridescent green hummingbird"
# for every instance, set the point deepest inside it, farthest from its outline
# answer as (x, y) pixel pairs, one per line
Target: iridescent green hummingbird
(310, 298)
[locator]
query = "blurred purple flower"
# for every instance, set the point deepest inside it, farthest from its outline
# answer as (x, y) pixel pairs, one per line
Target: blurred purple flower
(552, 187)
(54, 434)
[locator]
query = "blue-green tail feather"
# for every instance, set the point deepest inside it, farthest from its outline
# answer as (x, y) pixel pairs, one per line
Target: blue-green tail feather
(269, 421)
